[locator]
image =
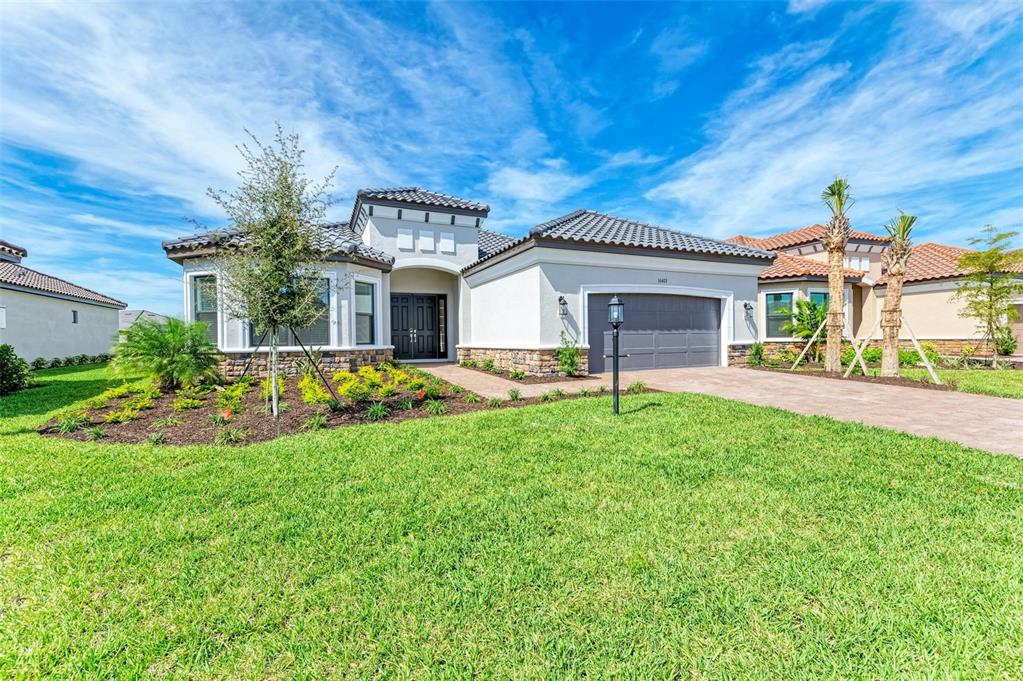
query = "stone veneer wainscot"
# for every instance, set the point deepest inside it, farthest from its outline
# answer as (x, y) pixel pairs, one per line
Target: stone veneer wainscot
(532, 361)
(331, 360)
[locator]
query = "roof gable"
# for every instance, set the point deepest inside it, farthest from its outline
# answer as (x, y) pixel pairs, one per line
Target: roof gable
(16, 274)
(797, 267)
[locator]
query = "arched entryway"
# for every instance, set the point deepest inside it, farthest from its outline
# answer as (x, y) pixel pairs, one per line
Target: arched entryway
(423, 313)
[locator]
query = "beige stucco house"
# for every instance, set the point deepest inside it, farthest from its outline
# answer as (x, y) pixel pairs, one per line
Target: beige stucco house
(44, 316)
(416, 275)
(800, 272)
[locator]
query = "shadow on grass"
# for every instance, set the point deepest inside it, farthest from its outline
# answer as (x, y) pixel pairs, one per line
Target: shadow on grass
(648, 405)
(50, 394)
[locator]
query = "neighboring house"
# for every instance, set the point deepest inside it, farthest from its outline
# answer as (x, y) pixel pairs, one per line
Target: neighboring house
(128, 317)
(43, 316)
(800, 272)
(414, 275)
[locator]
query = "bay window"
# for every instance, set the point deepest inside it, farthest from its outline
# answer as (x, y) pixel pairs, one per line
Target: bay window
(204, 304)
(365, 315)
(316, 334)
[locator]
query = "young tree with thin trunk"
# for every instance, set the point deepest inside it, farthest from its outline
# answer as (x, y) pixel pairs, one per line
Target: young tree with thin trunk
(899, 250)
(836, 234)
(991, 282)
(266, 260)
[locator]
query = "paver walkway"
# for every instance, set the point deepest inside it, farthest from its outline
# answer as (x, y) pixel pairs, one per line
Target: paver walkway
(488, 385)
(991, 423)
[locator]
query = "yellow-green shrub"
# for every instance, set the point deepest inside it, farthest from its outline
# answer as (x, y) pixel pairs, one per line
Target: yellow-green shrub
(312, 391)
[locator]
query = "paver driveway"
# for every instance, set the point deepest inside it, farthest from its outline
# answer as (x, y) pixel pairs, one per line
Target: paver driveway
(991, 423)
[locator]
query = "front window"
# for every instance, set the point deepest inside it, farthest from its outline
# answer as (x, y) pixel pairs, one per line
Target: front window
(365, 322)
(819, 298)
(316, 334)
(204, 304)
(779, 311)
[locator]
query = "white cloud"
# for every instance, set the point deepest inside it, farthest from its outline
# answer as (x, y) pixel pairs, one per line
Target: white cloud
(804, 6)
(938, 107)
(545, 184)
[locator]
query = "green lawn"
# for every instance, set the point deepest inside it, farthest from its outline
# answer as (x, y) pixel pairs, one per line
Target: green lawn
(1000, 383)
(691, 536)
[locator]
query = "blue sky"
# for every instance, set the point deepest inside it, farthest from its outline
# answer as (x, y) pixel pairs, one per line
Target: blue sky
(716, 118)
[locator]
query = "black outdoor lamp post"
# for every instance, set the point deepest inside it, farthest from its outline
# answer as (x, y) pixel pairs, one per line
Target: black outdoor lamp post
(615, 317)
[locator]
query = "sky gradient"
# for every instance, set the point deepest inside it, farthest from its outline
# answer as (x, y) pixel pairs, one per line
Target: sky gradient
(717, 118)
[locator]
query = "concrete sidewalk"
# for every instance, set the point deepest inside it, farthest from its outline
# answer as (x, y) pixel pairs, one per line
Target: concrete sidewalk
(489, 385)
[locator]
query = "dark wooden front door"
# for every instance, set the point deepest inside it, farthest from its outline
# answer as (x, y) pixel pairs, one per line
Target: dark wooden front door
(415, 326)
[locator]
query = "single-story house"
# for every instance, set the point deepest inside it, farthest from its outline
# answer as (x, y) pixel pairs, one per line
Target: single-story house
(44, 316)
(415, 275)
(800, 272)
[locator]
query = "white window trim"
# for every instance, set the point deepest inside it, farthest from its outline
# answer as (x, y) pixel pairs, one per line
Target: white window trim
(378, 317)
(846, 300)
(725, 297)
(190, 306)
(332, 325)
(763, 315)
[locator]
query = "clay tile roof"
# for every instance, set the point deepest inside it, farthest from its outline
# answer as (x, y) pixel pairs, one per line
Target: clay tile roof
(423, 197)
(796, 267)
(796, 237)
(329, 238)
(588, 226)
(931, 261)
(10, 249)
(18, 275)
(490, 242)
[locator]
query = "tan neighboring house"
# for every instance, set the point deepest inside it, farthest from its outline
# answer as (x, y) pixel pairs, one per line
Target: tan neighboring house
(44, 316)
(800, 272)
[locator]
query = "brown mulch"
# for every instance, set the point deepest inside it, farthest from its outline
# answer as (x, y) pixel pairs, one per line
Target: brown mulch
(528, 380)
(195, 426)
(886, 380)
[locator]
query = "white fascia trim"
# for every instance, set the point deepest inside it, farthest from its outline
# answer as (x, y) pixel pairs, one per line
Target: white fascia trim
(559, 256)
(726, 297)
(922, 287)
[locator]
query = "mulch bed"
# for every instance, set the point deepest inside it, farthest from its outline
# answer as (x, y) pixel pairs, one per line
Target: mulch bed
(812, 370)
(528, 380)
(197, 426)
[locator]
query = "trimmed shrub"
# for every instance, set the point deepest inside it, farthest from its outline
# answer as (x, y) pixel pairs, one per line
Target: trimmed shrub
(174, 353)
(516, 374)
(636, 388)
(568, 355)
(354, 391)
(376, 412)
(186, 403)
(756, 355)
(514, 394)
(312, 390)
(14, 370)
(1005, 342)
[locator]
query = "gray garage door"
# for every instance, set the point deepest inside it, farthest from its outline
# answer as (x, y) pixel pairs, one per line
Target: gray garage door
(660, 331)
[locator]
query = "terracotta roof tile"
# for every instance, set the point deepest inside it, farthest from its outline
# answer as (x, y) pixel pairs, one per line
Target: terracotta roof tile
(795, 267)
(329, 238)
(423, 197)
(796, 237)
(931, 261)
(17, 274)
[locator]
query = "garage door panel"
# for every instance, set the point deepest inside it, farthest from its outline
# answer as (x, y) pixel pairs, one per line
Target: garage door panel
(660, 331)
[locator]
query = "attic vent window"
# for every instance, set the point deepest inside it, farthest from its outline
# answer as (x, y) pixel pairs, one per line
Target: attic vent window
(427, 218)
(371, 211)
(399, 213)
(452, 219)
(477, 223)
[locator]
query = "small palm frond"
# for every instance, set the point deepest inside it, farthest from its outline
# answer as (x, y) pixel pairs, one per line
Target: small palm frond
(900, 228)
(837, 196)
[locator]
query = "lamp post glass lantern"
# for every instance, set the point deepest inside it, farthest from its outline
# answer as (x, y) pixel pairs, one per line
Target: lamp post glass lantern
(615, 317)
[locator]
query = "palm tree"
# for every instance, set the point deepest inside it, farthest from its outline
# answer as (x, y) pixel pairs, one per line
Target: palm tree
(839, 200)
(805, 320)
(899, 230)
